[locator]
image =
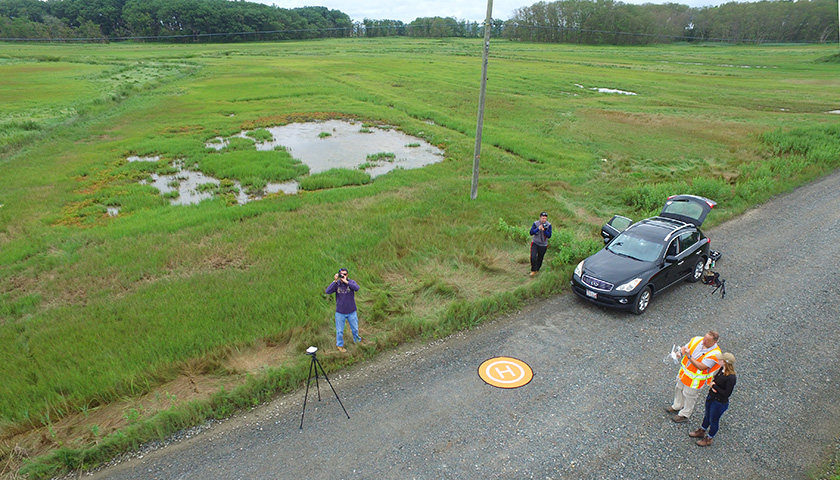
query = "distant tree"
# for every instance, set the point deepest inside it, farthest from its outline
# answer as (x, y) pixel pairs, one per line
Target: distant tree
(609, 21)
(32, 10)
(383, 28)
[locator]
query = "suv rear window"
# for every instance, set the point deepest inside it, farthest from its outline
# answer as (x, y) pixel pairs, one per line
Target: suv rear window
(688, 239)
(687, 209)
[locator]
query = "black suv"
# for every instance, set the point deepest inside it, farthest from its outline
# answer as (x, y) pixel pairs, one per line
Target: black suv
(642, 259)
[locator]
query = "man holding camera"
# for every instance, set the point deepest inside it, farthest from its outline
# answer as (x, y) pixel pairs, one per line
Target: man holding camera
(541, 232)
(345, 307)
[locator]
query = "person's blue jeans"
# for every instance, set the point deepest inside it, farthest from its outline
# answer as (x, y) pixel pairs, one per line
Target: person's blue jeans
(714, 410)
(350, 318)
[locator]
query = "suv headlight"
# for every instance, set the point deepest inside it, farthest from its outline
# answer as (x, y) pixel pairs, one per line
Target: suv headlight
(579, 269)
(629, 286)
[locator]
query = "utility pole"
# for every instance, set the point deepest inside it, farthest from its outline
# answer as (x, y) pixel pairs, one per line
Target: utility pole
(487, 25)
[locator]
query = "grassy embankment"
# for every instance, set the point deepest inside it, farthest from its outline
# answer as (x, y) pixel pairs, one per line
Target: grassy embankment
(114, 331)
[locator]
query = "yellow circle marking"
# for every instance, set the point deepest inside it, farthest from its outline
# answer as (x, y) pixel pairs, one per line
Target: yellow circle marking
(505, 372)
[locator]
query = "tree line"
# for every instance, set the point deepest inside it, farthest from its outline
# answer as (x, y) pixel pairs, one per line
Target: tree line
(172, 20)
(567, 21)
(617, 23)
(427, 27)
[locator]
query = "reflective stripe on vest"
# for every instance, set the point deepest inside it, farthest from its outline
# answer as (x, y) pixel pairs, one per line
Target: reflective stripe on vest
(689, 374)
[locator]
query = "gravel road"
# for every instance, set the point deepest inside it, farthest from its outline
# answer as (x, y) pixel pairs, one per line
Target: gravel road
(595, 408)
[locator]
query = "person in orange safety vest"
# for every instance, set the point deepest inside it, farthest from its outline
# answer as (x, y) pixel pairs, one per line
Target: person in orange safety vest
(699, 362)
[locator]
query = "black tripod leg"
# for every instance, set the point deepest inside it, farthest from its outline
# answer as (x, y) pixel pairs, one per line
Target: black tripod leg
(330, 384)
(308, 380)
(317, 385)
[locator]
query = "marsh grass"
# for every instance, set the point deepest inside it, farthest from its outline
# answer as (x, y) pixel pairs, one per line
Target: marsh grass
(261, 135)
(333, 178)
(95, 309)
(270, 166)
(386, 156)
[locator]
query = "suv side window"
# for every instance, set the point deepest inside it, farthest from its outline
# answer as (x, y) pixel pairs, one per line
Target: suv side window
(688, 239)
(673, 248)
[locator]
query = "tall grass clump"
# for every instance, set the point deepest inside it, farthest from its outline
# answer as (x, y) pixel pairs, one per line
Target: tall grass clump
(568, 248)
(818, 146)
(269, 166)
(333, 178)
(647, 199)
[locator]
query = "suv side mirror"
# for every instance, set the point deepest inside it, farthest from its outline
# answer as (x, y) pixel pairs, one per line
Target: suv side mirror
(671, 258)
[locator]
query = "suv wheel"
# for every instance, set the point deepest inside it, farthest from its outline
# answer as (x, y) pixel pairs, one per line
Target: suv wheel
(698, 270)
(642, 301)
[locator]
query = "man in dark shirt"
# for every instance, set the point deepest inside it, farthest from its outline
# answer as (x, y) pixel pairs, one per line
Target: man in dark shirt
(540, 233)
(345, 307)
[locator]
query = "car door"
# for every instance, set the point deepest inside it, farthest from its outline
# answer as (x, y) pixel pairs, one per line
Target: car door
(687, 249)
(616, 225)
(669, 267)
(691, 250)
(687, 208)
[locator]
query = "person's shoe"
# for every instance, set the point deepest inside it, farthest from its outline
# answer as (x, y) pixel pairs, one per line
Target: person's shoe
(533, 274)
(699, 433)
(360, 342)
(342, 349)
(679, 419)
(704, 442)
(670, 409)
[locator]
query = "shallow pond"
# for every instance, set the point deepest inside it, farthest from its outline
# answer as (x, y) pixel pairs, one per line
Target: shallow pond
(319, 145)
(340, 144)
(607, 90)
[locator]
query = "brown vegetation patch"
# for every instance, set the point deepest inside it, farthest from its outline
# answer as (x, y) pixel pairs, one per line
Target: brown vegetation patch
(288, 118)
(186, 129)
(72, 216)
(695, 127)
(94, 139)
(586, 217)
(17, 282)
(264, 354)
(434, 284)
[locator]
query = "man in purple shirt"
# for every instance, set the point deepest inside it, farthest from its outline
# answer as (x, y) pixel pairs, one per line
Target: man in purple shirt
(345, 307)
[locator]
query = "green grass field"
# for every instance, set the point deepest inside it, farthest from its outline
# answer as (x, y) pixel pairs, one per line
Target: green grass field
(97, 311)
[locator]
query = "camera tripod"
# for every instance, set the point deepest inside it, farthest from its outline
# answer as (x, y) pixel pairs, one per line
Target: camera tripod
(315, 364)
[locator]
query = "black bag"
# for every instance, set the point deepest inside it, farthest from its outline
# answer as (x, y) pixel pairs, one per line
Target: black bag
(713, 278)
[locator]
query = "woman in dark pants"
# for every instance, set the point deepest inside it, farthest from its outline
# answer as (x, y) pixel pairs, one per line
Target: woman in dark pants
(717, 401)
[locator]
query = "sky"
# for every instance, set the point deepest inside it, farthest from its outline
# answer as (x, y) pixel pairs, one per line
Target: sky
(407, 11)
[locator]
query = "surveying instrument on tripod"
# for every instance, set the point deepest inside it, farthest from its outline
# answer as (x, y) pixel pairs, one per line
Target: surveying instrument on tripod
(315, 364)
